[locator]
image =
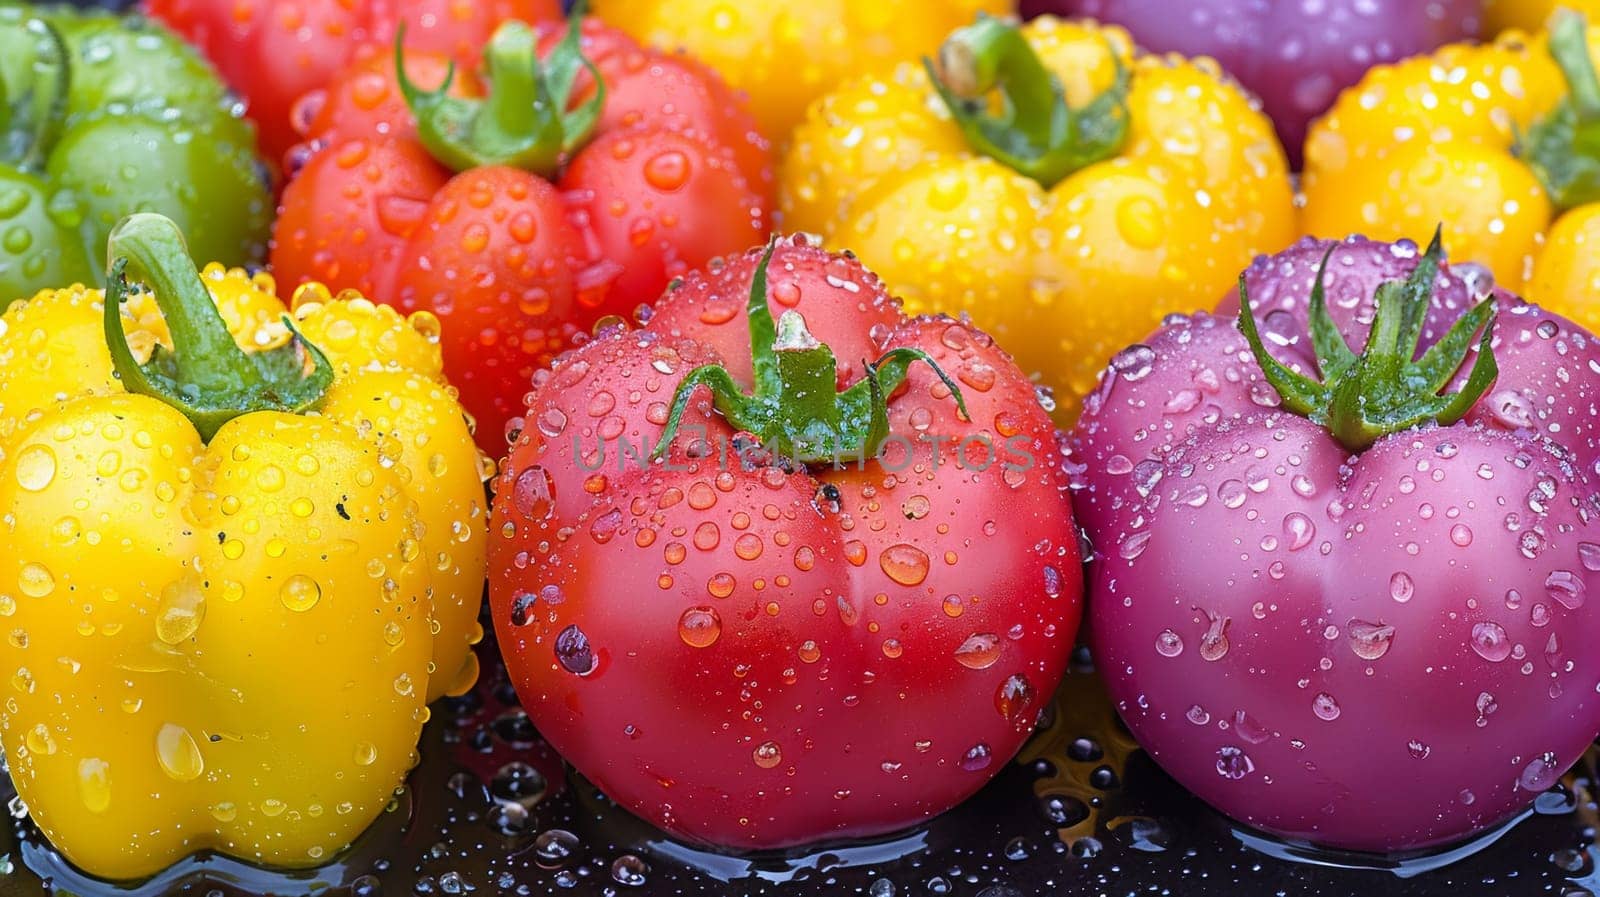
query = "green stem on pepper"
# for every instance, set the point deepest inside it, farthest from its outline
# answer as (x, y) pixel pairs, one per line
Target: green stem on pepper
(796, 409)
(1563, 148)
(1386, 388)
(205, 375)
(524, 121)
(1034, 132)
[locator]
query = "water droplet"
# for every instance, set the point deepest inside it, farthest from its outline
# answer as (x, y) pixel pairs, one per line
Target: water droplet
(573, 651)
(178, 753)
(181, 610)
(667, 171)
(1214, 641)
(35, 580)
(1133, 544)
(767, 754)
(1134, 363)
(555, 847)
(1013, 698)
(366, 753)
(700, 627)
(1566, 587)
(905, 564)
(977, 758)
(1401, 588)
(300, 593)
(1540, 773)
(1325, 707)
(1169, 643)
(629, 870)
(533, 493)
(1298, 530)
(35, 467)
(979, 651)
(1369, 641)
(1490, 641)
(94, 784)
(1234, 763)
(1249, 728)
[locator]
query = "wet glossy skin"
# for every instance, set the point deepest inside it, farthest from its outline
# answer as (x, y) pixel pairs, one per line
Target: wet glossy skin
(517, 266)
(273, 52)
(755, 658)
(1293, 54)
(1377, 652)
(1065, 276)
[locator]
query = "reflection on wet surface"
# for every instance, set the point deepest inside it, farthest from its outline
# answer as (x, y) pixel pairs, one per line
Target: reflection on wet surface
(492, 810)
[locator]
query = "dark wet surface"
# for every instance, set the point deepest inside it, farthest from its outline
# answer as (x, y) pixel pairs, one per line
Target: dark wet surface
(491, 810)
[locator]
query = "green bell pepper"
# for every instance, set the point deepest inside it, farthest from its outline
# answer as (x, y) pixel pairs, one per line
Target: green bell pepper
(102, 116)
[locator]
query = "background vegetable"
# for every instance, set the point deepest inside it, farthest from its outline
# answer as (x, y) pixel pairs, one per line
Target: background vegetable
(520, 224)
(1492, 141)
(273, 52)
(1379, 649)
(1295, 56)
(1139, 186)
(786, 54)
(102, 116)
(1528, 15)
(742, 642)
(225, 616)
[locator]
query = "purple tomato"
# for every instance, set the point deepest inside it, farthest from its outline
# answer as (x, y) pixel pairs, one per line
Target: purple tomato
(1346, 603)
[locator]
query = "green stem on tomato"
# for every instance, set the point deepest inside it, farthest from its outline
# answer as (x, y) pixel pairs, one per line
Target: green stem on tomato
(205, 375)
(796, 409)
(524, 121)
(1034, 132)
(31, 121)
(1386, 388)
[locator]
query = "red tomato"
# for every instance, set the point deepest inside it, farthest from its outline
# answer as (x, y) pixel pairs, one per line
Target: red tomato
(518, 265)
(757, 653)
(272, 52)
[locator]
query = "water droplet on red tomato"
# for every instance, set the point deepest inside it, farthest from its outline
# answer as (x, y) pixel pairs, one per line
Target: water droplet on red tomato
(979, 651)
(767, 754)
(573, 651)
(700, 627)
(400, 215)
(533, 493)
(667, 171)
(1013, 698)
(905, 564)
(977, 758)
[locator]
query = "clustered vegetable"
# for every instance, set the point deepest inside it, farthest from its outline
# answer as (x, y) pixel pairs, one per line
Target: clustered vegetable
(1111, 189)
(781, 541)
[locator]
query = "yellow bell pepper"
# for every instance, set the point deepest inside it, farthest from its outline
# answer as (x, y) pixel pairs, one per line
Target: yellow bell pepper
(235, 563)
(1499, 143)
(1098, 192)
(785, 54)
